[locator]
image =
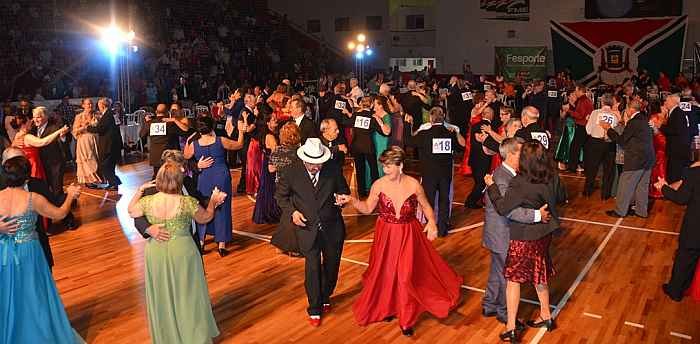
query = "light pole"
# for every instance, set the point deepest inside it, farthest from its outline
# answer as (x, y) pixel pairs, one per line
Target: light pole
(119, 45)
(360, 49)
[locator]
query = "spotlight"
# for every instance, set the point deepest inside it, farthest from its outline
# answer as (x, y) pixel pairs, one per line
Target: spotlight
(360, 48)
(368, 51)
(135, 48)
(130, 36)
(361, 37)
(351, 46)
(359, 56)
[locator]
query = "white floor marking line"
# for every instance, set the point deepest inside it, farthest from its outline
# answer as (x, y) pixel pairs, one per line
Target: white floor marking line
(591, 315)
(253, 235)
(578, 280)
(620, 226)
(466, 228)
(680, 335)
(629, 323)
(354, 261)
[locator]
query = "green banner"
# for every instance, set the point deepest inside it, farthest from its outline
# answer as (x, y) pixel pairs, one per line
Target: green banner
(531, 62)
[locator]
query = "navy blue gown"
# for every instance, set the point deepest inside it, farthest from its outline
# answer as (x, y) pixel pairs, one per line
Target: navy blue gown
(266, 208)
(217, 175)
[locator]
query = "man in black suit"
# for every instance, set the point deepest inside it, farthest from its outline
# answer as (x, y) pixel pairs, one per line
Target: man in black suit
(637, 142)
(307, 128)
(437, 142)
(109, 143)
(688, 252)
(52, 157)
(677, 132)
(163, 133)
(330, 137)
(309, 197)
(479, 161)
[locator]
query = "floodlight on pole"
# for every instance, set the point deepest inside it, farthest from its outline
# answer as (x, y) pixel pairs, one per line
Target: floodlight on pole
(351, 46)
(361, 37)
(360, 48)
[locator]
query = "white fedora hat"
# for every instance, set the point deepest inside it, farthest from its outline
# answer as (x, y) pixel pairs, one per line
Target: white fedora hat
(313, 151)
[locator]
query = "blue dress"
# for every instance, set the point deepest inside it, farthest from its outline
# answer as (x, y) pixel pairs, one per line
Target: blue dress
(217, 175)
(31, 310)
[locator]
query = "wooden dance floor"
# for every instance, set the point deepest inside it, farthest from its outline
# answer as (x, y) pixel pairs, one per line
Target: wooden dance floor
(607, 288)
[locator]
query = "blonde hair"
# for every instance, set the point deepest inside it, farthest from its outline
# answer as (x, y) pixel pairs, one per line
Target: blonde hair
(169, 178)
(393, 155)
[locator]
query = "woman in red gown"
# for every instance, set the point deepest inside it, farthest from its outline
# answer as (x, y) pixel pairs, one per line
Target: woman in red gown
(30, 144)
(278, 102)
(406, 276)
(659, 117)
(475, 118)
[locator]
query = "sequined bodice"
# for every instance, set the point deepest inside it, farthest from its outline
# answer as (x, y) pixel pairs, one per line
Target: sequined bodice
(387, 209)
(180, 224)
(26, 232)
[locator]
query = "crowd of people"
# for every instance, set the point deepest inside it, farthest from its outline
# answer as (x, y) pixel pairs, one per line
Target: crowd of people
(292, 148)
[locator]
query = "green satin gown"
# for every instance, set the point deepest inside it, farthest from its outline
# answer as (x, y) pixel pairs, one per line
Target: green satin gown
(177, 296)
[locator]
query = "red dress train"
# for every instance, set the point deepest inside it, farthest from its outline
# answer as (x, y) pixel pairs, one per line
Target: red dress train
(254, 157)
(406, 275)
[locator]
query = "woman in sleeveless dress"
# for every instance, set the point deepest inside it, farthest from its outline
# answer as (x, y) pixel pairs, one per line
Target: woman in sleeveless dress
(278, 102)
(217, 176)
(31, 310)
(266, 208)
(406, 276)
(281, 158)
(177, 296)
(30, 144)
(86, 146)
(474, 118)
(381, 142)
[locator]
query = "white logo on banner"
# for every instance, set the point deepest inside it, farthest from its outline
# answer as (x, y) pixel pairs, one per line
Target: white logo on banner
(157, 129)
(442, 146)
(362, 122)
(542, 137)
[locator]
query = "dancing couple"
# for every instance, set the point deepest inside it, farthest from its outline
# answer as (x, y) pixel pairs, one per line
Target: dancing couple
(405, 277)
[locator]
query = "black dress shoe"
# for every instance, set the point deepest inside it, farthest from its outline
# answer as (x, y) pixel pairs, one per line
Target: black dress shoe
(509, 336)
(70, 224)
(613, 213)
(223, 252)
(668, 293)
(549, 324)
(408, 332)
(488, 314)
(519, 325)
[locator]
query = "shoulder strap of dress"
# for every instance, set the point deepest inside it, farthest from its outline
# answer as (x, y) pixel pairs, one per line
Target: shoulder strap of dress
(29, 203)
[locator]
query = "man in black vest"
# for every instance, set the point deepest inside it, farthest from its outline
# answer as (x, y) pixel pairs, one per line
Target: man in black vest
(163, 133)
(437, 145)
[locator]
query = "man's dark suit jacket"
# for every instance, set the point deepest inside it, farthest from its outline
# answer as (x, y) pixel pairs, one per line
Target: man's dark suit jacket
(157, 144)
(477, 157)
(51, 155)
(688, 194)
(677, 132)
(295, 191)
(637, 141)
(307, 129)
(109, 141)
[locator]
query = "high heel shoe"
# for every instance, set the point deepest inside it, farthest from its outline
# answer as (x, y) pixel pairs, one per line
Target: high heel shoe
(509, 336)
(223, 252)
(549, 324)
(408, 332)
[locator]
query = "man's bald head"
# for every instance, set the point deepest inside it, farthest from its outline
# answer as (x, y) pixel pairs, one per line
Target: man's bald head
(161, 110)
(529, 115)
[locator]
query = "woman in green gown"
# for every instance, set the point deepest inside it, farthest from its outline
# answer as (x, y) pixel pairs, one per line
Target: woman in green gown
(177, 296)
(381, 142)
